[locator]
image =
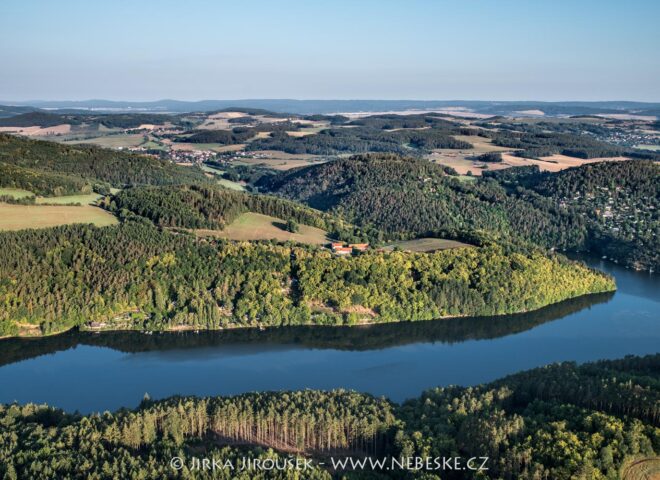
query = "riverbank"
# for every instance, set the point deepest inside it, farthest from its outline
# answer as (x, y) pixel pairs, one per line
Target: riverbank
(136, 277)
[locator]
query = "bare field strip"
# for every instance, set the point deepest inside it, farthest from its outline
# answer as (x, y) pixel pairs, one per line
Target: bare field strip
(426, 245)
(214, 147)
(69, 199)
(39, 131)
(19, 217)
(555, 163)
(254, 226)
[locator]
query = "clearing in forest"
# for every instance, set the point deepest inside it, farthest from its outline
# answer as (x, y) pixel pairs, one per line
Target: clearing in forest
(254, 226)
(19, 217)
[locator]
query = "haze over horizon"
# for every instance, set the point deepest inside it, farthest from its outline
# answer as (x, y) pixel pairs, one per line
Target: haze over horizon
(385, 50)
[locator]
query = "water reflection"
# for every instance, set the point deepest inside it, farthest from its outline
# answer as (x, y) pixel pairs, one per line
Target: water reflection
(369, 337)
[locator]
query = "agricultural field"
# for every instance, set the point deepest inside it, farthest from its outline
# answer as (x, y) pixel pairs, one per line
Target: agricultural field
(222, 181)
(553, 163)
(69, 199)
(642, 469)
(279, 160)
(426, 245)
(213, 147)
(254, 226)
(231, 185)
(463, 160)
(19, 217)
(15, 193)
(112, 141)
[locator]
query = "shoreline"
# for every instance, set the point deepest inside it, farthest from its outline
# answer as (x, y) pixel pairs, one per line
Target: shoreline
(186, 329)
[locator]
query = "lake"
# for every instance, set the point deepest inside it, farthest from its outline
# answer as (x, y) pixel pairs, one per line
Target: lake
(105, 371)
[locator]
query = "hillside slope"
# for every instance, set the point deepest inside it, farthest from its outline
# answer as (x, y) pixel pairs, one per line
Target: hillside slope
(408, 197)
(88, 163)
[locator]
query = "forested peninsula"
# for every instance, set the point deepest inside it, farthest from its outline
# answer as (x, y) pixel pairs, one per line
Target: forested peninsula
(137, 276)
(595, 421)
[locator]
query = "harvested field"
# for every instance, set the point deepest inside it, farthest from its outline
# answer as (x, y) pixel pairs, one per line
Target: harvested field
(37, 131)
(279, 160)
(426, 245)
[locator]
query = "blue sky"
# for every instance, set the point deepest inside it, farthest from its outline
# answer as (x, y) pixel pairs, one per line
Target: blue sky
(412, 49)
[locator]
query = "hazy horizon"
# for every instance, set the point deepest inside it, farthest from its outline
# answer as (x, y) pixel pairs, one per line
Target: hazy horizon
(27, 101)
(382, 50)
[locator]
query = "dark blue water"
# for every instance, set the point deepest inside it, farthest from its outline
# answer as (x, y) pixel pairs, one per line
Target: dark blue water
(96, 372)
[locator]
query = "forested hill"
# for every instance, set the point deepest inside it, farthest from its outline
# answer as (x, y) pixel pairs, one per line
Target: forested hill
(592, 422)
(410, 197)
(620, 202)
(212, 207)
(48, 168)
(135, 276)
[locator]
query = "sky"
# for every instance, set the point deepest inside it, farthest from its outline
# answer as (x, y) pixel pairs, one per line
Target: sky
(334, 49)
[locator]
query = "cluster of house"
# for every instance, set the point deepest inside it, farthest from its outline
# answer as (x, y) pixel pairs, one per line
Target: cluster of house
(340, 248)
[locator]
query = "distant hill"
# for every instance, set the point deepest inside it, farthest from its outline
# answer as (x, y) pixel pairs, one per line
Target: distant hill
(110, 120)
(338, 106)
(11, 111)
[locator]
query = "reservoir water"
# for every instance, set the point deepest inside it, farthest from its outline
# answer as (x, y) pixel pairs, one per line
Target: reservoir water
(105, 371)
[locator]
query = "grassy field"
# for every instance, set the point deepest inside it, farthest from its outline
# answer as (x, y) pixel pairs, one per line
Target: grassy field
(223, 181)
(114, 141)
(254, 226)
(280, 160)
(15, 193)
(426, 245)
(481, 144)
(653, 148)
(214, 147)
(18, 217)
(231, 185)
(69, 199)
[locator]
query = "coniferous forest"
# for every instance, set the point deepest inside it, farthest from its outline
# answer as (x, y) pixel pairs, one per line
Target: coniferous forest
(562, 422)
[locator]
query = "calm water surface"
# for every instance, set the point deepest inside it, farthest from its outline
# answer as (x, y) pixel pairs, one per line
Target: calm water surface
(96, 372)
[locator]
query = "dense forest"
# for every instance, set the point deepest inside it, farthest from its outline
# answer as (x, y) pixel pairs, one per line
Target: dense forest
(46, 168)
(610, 208)
(558, 422)
(237, 134)
(135, 276)
(212, 207)
(387, 133)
